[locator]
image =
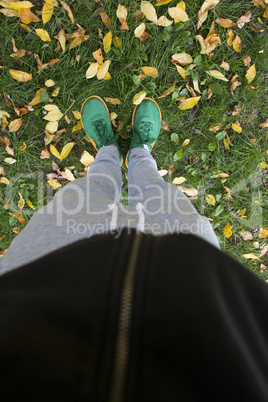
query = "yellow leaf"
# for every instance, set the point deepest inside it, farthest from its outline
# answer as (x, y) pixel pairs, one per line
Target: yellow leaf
(49, 83)
(107, 41)
(149, 11)
(217, 74)
(54, 115)
(265, 14)
(117, 41)
(86, 158)
(55, 152)
(167, 91)
(9, 13)
(77, 115)
(182, 58)
(139, 30)
(43, 34)
(68, 175)
(78, 126)
(225, 23)
(251, 256)
(51, 107)
(102, 70)
(23, 147)
(138, 98)
(47, 10)
(150, 71)
(192, 192)
(10, 161)
(98, 56)
(113, 101)
(251, 73)
(54, 183)
(66, 150)
(178, 14)
(36, 99)
(228, 231)
(29, 203)
(26, 16)
(211, 199)
(230, 36)
(121, 14)
(185, 142)
(237, 43)
(62, 39)
(215, 127)
(4, 180)
(181, 71)
(14, 125)
(4, 122)
(19, 5)
(55, 92)
(92, 70)
(164, 21)
(203, 12)
(52, 126)
(236, 127)
(189, 103)
(226, 144)
(113, 116)
(179, 180)
(263, 233)
(263, 165)
(20, 75)
(161, 2)
(181, 5)
(196, 86)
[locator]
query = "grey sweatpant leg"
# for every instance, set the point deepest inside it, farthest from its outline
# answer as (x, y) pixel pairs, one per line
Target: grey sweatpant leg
(90, 205)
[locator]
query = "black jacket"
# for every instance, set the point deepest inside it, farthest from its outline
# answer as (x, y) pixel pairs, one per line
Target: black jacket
(136, 318)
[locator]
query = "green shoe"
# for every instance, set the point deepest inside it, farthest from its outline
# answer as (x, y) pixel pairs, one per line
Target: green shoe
(97, 124)
(146, 124)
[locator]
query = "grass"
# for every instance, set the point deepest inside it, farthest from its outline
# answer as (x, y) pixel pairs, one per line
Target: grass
(201, 160)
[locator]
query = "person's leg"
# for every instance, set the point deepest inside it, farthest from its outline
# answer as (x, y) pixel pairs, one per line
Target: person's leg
(80, 209)
(166, 208)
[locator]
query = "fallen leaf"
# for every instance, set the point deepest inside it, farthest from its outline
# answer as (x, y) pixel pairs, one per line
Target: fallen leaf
(139, 30)
(21, 202)
(15, 125)
(98, 56)
(230, 36)
(4, 122)
(117, 41)
(23, 147)
(264, 124)
(263, 233)
(52, 126)
(18, 216)
(78, 126)
(161, 2)
(49, 83)
(10, 161)
(196, 86)
(121, 14)
(20, 75)
(4, 180)
(19, 5)
(265, 14)
(45, 154)
(211, 199)
(225, 23)
(189, 191)
(178, 14)
(215, 127)
(225, 65)
(47, 10)
(62, 39)
(251, 73)
(251, 256)
(246, 235)
(77, 114)
(103, 69)
(227, 231)
(181, 71)
(9, 13)
(234, 83)
(189, 103)
(163, 21)
(223, 175)
(237, 110)
(138, 98)
(86, 158)
(113, 101)
(107, 41)
(182, 58)
(149, 11)
(26, 16)
(54, 183)
(92, 70)
(29, 203)
(237, 43)
(150, 71)
(68, 175)
(236, 127)
(9, 150)
(185, 142)
(53, 115)
(203, 12)
(244, 19)
(167, 91)
(144, 36)
(67, 8)
(247, 60)
(264, 251)
(179, 180)
(217, 74)
(106, 19)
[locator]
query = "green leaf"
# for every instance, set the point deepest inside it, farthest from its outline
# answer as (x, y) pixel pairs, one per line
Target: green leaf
(177, 155)
(43, 97)
(175, 138)
(198, 59)
(136, 79)
(212, 146)
(216, 88)
(220, 136)
(218, 210)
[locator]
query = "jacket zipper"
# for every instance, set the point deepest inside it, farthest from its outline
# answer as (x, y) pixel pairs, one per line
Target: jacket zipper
(122, 342)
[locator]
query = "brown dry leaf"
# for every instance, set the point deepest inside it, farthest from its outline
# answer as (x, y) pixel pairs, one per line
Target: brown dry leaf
(230, 36)
(167, 91)
(171, 169)
(18, 216)
(190, 89)
(264, 251)
(225, 23)
(15, 229)
(246, 235)
(98, 56)
(45, 154)
(234, 83)
(203, 12)
(106, 19)
(150, 71)
(21, 202)
(9, 150)
(50, 63)
(251, 73)
(14, 125)
(164, 126)
(19, 54)
(225, 65)
(149, 11)
(178, 14)
(121, 14)
(237, 110)
(20, 75)
(227, 231)
(67, 8)
(211, 42)
(264, 124)
(47, 10)
(237, 43)
(247, 60)
(182, 58)
(144, 36)
(113, 101)
(26, 16)
(244, 19)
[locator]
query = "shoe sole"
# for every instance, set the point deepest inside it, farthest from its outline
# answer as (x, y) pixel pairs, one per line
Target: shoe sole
(132, 122)
(91, 140)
